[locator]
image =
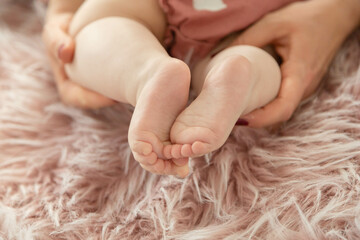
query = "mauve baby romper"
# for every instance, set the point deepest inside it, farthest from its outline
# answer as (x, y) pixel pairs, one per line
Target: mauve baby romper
(196, 26)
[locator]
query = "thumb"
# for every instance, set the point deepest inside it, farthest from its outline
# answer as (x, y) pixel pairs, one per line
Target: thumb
(260, 34)
(59, 44)
(66, 49)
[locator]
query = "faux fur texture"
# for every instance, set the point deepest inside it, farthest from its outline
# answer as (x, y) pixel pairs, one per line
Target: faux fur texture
(66, 173)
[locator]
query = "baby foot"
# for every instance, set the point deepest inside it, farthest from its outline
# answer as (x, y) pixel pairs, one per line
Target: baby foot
(159, 102)
(206, 124)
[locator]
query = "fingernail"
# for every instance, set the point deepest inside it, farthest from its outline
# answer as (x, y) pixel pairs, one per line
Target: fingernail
(60, 50)
(242, 122)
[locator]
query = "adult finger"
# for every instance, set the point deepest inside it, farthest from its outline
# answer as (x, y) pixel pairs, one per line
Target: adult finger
(58, 42)
(262, 33)
(282, 108)
(75, 95)
(78, 96)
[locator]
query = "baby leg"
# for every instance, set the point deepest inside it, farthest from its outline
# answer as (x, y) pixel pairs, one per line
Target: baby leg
(118, 54)
(234, 82)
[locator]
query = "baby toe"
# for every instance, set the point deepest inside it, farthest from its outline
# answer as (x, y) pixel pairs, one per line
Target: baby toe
(141, 147)
(159, 166)
(186, 150)
(180, 161)
(176, 151)
(146, 160)
(182, 172)
(167, 151)
(200, 148)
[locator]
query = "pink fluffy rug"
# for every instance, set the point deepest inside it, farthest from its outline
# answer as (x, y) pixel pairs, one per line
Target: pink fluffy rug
(68, 174)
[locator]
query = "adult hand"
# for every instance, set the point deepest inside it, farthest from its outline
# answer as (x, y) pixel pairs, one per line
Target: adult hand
(306, 35)
(60, 47)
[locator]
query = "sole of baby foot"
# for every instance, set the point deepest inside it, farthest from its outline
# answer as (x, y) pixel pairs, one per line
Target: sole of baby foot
(163, 96)
(206, 124)
(178, 167)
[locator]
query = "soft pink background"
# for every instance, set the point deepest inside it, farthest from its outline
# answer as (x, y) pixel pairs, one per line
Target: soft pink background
(68, 174)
